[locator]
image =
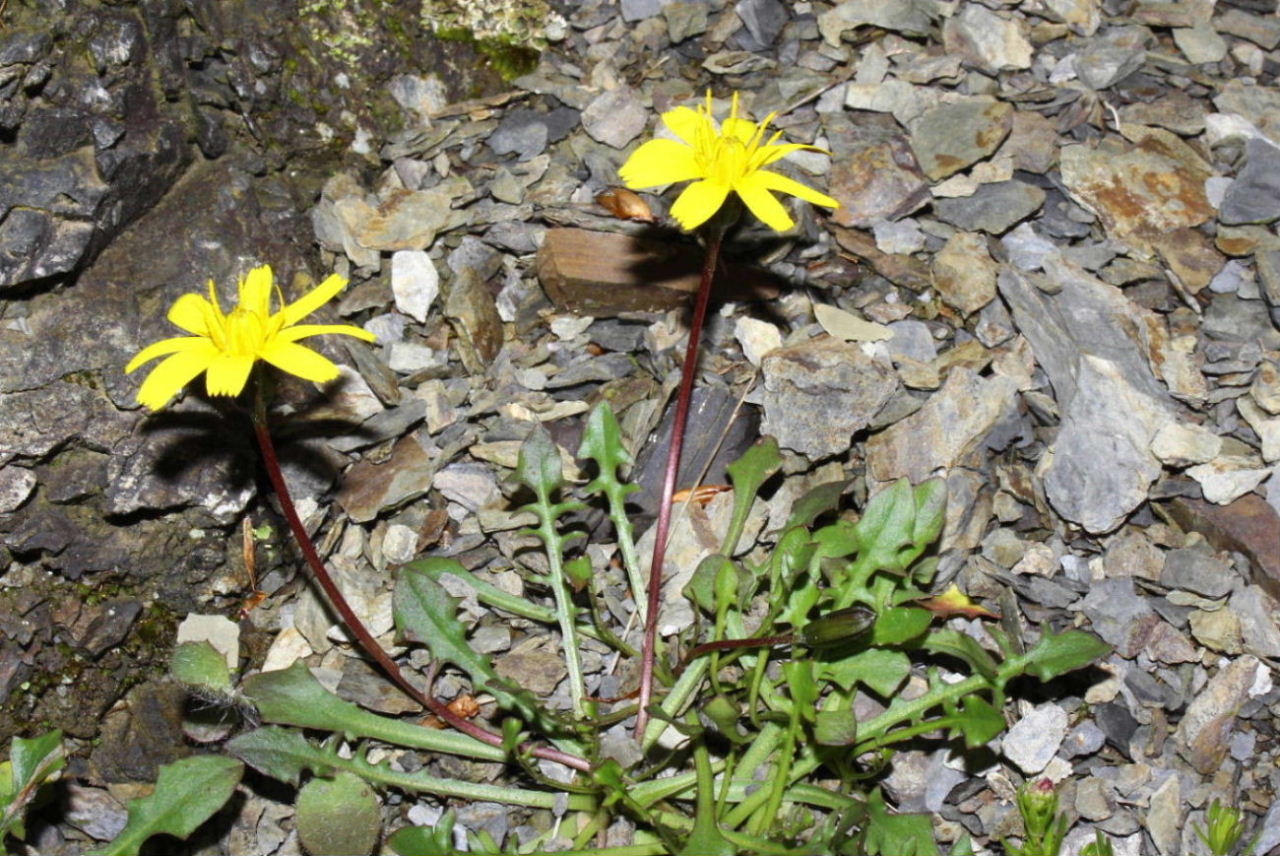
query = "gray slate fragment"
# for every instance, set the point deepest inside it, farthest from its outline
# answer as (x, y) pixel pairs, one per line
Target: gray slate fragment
(994, 208)
(16, 484)
(615, 117)
(1111, 404)
(955, 135)
(1197, 570)
(523, 133)
(910, 17)
(1204, 734)
(638, 10)
(1102, 65)
(1033, 740)
(764, 19)
(1254, 197)
(1119, 615)
(817, 394)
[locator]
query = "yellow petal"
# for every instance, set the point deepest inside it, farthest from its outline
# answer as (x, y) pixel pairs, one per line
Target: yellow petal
(782, 184)
(314, 299)
(698, 203)
(301, 361)
(659, 162)
(228, 373)
(255, 290)
(163, 347)
(302, 331)
(192, 313)
(763, 204)
(168, 378)
(766, 155)
(687, 124)
(742, 129)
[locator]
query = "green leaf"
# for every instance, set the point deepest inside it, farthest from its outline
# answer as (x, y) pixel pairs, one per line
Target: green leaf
(836, 727)
(281, 753)
(602, 443)
(1056, 655)
(900, 522)
(897, 834)
(539, 465)
(748, 473)
(701, 588)
(979, 721)
(881, 670)
(798, 675)
(724, 714)
(187, 793)
(963, 647)
(32, 762)
(426, 613)
(426, 840)
(817, 502)
(339, 815)
(837, 540)
(898, 625)
(200, 665)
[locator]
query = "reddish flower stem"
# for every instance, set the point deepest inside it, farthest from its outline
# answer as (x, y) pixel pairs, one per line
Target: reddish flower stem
(353, 622)
(715, 232)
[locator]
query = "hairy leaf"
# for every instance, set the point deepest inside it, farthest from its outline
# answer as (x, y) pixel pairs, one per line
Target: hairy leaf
(187, 794)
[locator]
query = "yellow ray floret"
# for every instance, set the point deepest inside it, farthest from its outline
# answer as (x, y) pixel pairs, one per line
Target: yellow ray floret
(225, 346)
(730, 158)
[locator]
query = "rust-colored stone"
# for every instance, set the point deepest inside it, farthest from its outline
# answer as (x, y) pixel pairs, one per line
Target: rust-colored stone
(599, 273)
(1249, 525)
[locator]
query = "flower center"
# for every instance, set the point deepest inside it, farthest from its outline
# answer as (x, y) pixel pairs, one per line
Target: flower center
(246, 332)
(728, 161)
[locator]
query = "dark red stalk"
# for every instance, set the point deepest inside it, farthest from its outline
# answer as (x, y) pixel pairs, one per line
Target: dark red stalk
(715, 232)
(353, 622)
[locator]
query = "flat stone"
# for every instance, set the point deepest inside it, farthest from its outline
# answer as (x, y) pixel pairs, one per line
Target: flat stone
(473, 314)
(898, 236)
(1119, 615)
(1095, 799)
(414, 282)
(906, 18)
(534, 664)
(1167, 644)
(685, 20)
(1228, 477)
(1181, 444)
(369, 486)
(1262, 31)
(1260, 105)
(408, 220)
(994, 208)
(1254, 197)
(817, 394)
(874, 174)
(1200, 44)
(1195, 569)
(964, 273)
(1130, 553)
(1083, 740)
(1255, 610)
(757, 338)
(1164, 814)
(1102, 65)
(1267, 427)
(16, 485)
(764, 19)
(1190, 256)
(950, 427)
(1175, 111)
(615, 117)
(1139, 189)
(1204, 733)
(1218, 630)
(1033, 741)
(1265, 389)
(1247, 525)
(1033, 141)
(991, 41)
(953, 136)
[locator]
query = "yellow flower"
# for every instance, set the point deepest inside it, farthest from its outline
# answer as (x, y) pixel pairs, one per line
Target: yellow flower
(719, 160)
(226, 346)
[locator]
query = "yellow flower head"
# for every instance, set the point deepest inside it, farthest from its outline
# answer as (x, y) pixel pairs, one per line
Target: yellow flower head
(226, 346)
(718, 160)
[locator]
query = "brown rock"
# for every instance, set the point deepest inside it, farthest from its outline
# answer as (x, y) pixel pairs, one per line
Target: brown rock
(1248, 525)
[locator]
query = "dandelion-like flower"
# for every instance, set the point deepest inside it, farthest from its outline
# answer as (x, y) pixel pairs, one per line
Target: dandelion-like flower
(719, 160)
(227, 345)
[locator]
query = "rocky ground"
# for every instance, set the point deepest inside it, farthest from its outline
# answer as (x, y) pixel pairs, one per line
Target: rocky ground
(1054, 279)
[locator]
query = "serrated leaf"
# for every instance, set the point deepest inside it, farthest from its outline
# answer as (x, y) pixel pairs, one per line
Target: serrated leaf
(425, 613)
(1056, 655)
(339, 815)
(900, 522)
(281, 753)
(979, 721)
(602, 443)
(881, 670)
(966, 648)
(187, 793)
(293, 696)
(199, 664)
(897, 834)
(898, 625)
